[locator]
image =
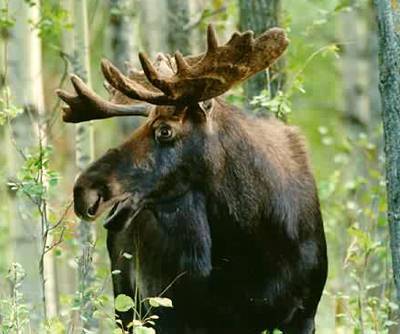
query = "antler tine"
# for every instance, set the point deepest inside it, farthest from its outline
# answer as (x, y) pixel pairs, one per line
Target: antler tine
(131, 88)
(153, 75)
(212, 39)
(86, 105)
(181, 64)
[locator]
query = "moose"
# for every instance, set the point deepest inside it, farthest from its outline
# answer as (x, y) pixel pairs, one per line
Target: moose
(218, 207)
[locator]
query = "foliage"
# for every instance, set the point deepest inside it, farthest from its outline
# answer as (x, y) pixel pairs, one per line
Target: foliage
(140, 324)
(30, 179)
(279, 105)
(356, 208)
(53, 22)
(8, 111)
(6, 22)
(14, 311)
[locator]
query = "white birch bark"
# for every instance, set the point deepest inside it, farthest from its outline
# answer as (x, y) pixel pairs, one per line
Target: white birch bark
(84, 154)
(25, 78)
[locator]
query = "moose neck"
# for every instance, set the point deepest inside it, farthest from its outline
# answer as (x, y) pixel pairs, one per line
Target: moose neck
(243, 172)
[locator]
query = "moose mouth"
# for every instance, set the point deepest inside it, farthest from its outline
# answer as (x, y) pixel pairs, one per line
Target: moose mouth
(126, 210)
(123, 211)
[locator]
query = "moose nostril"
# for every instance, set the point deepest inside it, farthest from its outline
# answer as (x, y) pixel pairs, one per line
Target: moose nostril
(91, 212)
(87, 202)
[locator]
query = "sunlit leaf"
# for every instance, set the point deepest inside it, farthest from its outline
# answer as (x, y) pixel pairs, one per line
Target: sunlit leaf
(123, 303)
(160, 302)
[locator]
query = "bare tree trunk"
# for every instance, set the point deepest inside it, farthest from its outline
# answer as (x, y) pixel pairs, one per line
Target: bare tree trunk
(260, 15)
(356, 68)
(122, 46)
(388, 17)
(84, 154)
(372, 49)
(153, 25)
(25, 73)
(122, 32)
(178, 38)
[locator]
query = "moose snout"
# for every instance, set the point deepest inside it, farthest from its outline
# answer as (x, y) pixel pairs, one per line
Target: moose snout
(97, 188)
(87, 202)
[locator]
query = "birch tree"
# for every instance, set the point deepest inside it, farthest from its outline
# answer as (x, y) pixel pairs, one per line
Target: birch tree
(178, 38)
(78, 54)
(25, 77)
(388, 17)
(260, 15)
(122, 37)
(153, 26)
(122, 32)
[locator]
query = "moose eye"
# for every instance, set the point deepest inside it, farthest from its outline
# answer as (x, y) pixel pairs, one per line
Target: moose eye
(164, 133)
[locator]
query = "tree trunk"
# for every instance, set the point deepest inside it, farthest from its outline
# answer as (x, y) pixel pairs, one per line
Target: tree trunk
(153, 23)
(178, 38)
(122, 32)
(260, 15)
(355, 71)
(84, 154)
(122, 47)
(388, 17)
(25, 77)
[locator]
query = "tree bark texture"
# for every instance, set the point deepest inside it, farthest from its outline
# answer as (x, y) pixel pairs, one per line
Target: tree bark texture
(178, 37)
(260, 15)
(84, 154)
(122, 32)
(360, 68)
(153, 26)
(123, 46)
(388, 17)
(25, 77)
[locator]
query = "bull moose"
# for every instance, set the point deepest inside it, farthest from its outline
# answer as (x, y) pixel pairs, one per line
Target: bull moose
(217, 205)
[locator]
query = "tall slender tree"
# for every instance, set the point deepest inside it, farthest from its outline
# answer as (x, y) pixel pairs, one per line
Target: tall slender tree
(260, 15)
(21, 79)
(359, 68)
(79, 56)
(153, 26)
(122, 32)
(25, 77)
(178, 18)
(123, 45)
(388, 16)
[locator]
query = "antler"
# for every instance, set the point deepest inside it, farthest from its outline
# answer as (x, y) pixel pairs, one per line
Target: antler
(202, 77)
(86, 105)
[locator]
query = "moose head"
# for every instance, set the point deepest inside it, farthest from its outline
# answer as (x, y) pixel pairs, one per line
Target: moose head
(181, 143)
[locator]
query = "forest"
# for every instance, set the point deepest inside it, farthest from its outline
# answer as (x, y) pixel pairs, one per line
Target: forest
(338, 81)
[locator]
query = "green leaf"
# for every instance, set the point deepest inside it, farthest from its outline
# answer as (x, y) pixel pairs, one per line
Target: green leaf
(135, 323)
(123, 303)
(158, 301)
(144, 330)
(127, 256)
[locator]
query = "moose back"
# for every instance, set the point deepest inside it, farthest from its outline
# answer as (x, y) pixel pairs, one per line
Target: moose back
(218, 208)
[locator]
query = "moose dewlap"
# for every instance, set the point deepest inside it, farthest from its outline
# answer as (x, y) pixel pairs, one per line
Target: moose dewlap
(217, 209)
